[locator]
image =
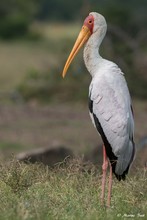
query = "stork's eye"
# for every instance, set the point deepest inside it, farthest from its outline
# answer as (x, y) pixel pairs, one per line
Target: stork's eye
(90, 21)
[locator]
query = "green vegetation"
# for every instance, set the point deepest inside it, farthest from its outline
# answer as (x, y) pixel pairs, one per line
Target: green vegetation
(34, 70)
(15, 17)
(17, 13)
(70, 190)
(48, 85)
(9, 145)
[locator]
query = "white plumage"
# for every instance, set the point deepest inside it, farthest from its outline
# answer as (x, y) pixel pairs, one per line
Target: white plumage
(109, 101)
(112, 107)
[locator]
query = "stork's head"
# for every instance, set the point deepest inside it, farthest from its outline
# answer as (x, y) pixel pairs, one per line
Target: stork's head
(94, 23)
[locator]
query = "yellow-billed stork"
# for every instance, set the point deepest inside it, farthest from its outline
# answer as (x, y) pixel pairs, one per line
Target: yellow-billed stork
(109, 101)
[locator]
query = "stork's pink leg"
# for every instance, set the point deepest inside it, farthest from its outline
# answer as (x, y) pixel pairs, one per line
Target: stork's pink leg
(104, 169)
(109, 187)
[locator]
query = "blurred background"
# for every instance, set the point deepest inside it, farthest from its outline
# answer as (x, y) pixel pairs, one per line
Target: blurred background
(38, 109)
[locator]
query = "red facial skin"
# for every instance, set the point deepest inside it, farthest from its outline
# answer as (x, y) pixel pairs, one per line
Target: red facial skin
(89, 22)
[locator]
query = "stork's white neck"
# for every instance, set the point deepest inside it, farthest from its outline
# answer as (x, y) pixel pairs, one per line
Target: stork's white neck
(91, 55)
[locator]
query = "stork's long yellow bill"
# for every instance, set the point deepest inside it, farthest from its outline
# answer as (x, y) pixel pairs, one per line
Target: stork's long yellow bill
(82, 38)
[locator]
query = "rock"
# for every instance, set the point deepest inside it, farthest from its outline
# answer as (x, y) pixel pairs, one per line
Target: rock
(47, 156)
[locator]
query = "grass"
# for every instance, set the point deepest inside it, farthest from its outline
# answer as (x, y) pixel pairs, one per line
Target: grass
(70, 190)
(24, 127)
(9, 145)
(18, 57)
